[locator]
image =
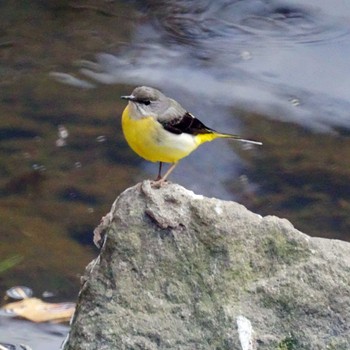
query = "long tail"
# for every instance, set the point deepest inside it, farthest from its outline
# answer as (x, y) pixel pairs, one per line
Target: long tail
(238, 138)
(215, 135)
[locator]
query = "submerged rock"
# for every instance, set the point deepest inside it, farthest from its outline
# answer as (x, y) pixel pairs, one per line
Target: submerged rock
(181, 271)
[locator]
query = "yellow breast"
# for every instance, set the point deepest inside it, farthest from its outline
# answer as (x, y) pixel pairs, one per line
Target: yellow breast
(152, 142)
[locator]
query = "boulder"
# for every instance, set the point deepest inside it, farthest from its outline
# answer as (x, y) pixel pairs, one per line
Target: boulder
(177, 270)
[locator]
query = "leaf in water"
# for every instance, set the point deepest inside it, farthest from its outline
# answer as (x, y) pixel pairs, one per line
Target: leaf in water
(37, 310)
(10, 262)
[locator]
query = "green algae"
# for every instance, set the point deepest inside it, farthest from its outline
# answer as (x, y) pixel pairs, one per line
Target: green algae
(289, 343)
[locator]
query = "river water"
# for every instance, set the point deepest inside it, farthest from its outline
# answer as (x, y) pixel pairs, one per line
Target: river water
(275, 71)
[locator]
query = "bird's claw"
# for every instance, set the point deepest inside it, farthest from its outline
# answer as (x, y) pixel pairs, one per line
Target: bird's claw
(158, 182)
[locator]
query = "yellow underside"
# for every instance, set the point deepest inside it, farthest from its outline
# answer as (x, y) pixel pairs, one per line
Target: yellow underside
(152, 142)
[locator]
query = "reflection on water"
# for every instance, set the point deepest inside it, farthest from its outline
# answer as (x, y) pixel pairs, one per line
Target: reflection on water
(276, 71)
(280, 61)
(252, 54)
(37, 337)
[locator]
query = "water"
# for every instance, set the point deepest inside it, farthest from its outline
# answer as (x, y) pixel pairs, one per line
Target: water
(273, 71)
(264, 55)
(37, 337)
(269, 65)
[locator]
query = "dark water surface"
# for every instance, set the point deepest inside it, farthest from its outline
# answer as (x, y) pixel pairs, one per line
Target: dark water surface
(276, 71)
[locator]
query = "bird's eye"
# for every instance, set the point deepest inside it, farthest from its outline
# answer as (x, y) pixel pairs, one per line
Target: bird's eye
(143, 101)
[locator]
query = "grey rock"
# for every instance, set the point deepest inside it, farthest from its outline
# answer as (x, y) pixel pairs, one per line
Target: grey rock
(180, 271)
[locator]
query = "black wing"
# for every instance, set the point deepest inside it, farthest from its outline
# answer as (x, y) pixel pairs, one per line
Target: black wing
(186, 124)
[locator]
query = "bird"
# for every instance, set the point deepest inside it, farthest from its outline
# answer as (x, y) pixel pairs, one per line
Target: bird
(159, 129)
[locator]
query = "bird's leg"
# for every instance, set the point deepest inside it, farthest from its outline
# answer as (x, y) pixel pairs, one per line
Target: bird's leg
(159, 172)
(162, 179)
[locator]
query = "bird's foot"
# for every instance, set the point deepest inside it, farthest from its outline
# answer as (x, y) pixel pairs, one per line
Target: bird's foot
(158, 182)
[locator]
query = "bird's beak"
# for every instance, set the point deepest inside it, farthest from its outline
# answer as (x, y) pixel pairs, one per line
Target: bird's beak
(129, 98)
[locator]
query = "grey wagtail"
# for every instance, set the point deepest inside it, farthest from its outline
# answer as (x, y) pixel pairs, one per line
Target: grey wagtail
(160, 130)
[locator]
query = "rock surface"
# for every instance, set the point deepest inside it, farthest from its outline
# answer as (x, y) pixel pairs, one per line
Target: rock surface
(181, 271)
